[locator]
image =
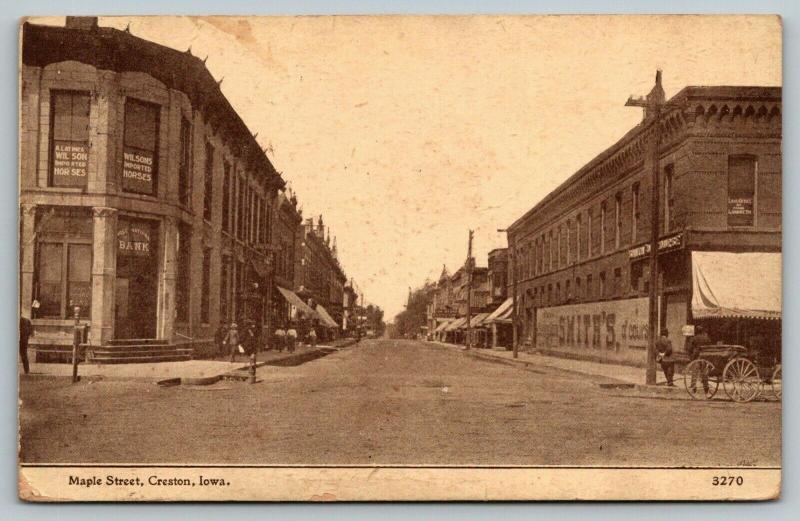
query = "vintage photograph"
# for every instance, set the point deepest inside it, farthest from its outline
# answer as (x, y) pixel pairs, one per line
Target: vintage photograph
(324, 258)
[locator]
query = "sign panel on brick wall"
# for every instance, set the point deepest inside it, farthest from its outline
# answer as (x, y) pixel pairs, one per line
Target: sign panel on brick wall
(133, 238)
(740, 211)
(137, 171)
(615, 329)
(70, 162)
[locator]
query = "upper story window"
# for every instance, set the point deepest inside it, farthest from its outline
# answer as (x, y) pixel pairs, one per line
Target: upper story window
(741, 190)
(208, 178)
(635, 214)
(668, 199)
(140, 157)
(226, 196)
(69, 139)
(578, 224)
(617, 220)
(185, 163)
(603, 227)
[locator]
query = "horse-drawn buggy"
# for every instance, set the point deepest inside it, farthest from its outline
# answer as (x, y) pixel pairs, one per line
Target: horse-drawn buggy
(744, 375)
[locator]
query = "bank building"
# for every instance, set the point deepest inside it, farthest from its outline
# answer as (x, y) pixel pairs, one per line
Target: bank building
(146, 203)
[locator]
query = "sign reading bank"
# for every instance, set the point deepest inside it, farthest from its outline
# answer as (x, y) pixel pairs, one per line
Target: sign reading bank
(614, 329)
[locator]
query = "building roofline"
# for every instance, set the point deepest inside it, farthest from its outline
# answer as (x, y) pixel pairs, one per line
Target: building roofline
(685, 96)
(107, 48)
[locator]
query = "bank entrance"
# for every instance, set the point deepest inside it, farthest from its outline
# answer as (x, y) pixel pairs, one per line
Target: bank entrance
(136, 283)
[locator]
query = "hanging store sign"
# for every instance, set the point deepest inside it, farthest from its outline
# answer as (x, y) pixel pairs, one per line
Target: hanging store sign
(673, 242)
(133, 238)
(740, 211)
(137, 170)
(70, 162)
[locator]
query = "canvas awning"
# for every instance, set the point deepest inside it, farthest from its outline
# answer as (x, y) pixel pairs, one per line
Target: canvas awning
(502, 313)
(325, 316)
(455, 324)
(731, 285)
(292, 298)
(442, 326)
(479, 320)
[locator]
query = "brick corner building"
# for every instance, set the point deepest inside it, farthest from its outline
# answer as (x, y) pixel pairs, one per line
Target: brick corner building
(581, 253)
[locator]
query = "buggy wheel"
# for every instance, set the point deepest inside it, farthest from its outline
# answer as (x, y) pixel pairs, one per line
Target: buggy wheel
(741, 380)
(776, 382)
(698, 373)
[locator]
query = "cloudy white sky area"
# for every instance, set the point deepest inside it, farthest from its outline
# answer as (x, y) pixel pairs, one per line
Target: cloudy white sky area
(405, 132)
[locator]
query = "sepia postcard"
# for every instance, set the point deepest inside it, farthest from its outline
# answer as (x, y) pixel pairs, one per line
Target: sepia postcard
(400, 258)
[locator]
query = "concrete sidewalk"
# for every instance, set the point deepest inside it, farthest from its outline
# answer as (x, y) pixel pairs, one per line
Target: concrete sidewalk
(189, 369)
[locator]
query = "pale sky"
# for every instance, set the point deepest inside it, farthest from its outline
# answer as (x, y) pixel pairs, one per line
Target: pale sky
(405, 132)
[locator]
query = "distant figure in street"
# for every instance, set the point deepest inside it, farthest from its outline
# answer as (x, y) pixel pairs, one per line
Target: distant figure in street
(219, 337)
(291, 338)
(232, 339)
(664, 357)
(280, 338)
(25, 332)
(312, 337)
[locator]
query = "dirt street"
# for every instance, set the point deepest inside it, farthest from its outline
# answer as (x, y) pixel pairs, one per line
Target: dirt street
(391, 402)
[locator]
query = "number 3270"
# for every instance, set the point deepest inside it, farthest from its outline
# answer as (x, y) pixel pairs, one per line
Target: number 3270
(727, 481)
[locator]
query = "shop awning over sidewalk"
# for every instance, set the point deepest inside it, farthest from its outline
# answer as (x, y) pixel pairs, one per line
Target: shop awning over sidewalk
(442, 326)
(479, 320)
(292, 298)
(745, 285)
(455, 324)
(502, 314)
(325, 316)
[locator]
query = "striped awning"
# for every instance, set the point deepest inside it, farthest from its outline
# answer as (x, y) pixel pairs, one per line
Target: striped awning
(455, 324)
(502, 314)
(292, 298)
(442, 326)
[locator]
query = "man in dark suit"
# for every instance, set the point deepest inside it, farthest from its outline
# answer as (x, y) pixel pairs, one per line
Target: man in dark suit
(25, 332)
(664, 350)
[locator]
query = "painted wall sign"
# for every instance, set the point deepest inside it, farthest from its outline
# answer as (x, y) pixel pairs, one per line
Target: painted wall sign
(740, 211)
(615, 329)
(137, 171)
(70, 163)
(666, 244)
(133, 238)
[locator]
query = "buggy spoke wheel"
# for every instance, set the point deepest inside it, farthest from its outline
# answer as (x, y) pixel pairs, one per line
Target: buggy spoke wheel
(777, 389)
(697, 380)
(741, 380)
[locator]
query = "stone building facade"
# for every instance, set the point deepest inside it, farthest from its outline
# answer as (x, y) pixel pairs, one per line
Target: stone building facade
(145, 201)
(581, 253)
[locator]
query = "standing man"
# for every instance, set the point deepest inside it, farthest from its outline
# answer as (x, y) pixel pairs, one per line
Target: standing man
(25, 332)
(291, 337)
(664, 349)
(312, 337)
(280, 338)
(219, 337)
(250, 340)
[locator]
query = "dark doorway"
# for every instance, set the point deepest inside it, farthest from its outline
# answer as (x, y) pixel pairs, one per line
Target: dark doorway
(136, 284)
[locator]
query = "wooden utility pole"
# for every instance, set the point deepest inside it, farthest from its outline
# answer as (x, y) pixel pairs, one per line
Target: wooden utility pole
(653, 104)
(469, 289)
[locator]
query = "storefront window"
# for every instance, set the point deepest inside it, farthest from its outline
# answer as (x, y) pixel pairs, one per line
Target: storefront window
(63, 263)
(226, 197)
(140, 158)
(69, 139)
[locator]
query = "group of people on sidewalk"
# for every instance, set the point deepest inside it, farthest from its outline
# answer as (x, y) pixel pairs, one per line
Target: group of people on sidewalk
(233, 341)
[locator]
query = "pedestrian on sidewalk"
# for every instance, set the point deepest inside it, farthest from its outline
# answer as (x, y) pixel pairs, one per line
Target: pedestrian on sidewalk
(280, 338)
(219, 337)
(25, 332)
(664, 357)
(291, 338)
(696, 344)
(312, 337)
(232, 339)
(250, 338)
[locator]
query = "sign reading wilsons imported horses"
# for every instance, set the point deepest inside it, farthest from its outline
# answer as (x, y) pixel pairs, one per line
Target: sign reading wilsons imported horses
(137, 171)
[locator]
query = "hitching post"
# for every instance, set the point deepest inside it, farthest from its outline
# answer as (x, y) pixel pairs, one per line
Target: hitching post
(77, 337)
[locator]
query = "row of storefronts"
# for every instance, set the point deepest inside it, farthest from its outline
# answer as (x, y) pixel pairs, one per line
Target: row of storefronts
(577, 269)
(148, 209)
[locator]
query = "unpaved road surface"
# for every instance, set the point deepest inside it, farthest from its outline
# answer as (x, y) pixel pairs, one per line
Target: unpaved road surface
(391, 402)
